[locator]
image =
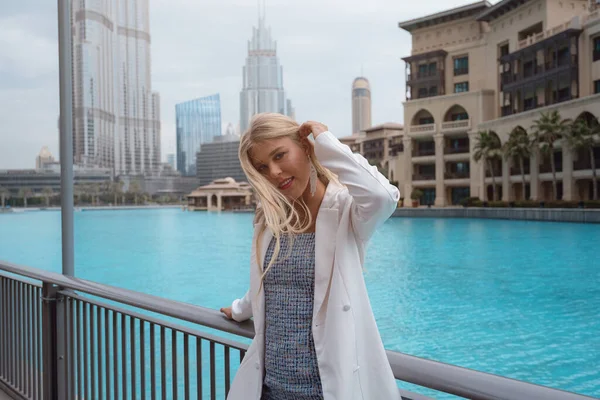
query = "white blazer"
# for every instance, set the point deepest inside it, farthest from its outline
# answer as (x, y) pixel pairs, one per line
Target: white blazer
(350, 355)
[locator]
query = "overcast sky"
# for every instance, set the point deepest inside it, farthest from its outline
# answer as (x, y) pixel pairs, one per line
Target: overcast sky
(199, 48)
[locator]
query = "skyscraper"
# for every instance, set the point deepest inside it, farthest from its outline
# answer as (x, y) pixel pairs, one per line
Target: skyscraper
(198, 122)
(361, 105)
(262, 77)
(116, 116)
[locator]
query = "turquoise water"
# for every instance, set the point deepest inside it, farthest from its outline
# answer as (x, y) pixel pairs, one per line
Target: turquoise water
(519, 299)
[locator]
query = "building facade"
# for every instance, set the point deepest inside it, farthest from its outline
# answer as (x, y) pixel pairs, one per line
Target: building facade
(361, 105)
(219, 160)
(382, 146)
(262, 89)
(172, 160)
(116, 115)
(198, 122)
(39, 181)
(496, 68)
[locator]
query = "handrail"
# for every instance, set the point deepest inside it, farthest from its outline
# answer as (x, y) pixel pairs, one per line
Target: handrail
(435, 375)
(171, 308)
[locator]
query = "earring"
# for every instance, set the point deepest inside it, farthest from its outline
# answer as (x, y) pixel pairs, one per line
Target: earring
(313, 178)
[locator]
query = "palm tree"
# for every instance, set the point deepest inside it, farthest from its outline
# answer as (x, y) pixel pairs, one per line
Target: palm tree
(518, 146)
(583, 137)
(488, 148)
(48, 193)
(135, 188)
(117, 189)
(25, 193)
(546, 131)
(4, 194)
(79, 190)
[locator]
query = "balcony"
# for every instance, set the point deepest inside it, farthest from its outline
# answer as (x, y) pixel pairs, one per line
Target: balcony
(456, 126)
(423, 177)
(457, 150)
(457, 175)
(539, 72)
(423, 152)
(547, 34)
(517, 170)
(426, 129)
(424, 76)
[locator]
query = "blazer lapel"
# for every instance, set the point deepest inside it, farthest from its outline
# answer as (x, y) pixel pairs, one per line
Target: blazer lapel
(257, 270)
(325, 240)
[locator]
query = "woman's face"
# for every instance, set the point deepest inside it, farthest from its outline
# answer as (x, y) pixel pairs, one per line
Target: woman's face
(284, 164)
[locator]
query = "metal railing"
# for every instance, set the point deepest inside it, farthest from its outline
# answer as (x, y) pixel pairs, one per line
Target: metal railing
(57, 343)
(457, 150)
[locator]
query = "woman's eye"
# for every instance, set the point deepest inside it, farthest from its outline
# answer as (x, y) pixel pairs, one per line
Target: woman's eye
(279, 156)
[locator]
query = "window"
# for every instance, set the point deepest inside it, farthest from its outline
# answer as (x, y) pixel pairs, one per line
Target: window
(596, 47)
(563, 56)
(597, 86)
(433, 91)
(461, 66)
(428, 196)
(461, 87)
(432, 69)
(422, 70)
(422, 93)
(425, 120)
(504, 50)
(463, 116)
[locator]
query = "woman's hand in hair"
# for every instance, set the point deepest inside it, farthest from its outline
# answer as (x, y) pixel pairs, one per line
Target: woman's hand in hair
(316, 128)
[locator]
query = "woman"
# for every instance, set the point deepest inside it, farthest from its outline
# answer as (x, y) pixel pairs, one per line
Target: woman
(315, 334)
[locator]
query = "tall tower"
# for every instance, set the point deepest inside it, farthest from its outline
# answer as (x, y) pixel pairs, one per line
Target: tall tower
(116, 115)
(361, 104)
(262, 76)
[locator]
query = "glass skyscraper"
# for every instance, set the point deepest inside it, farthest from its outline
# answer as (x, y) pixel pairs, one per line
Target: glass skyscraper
(116, 115)
(198, 122)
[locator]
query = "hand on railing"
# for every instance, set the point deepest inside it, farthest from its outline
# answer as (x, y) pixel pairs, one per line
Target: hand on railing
(227, 312)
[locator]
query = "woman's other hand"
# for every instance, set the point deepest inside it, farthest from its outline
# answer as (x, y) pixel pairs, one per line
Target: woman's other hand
(227, 312)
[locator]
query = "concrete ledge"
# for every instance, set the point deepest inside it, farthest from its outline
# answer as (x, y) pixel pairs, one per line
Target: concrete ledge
(525, 214)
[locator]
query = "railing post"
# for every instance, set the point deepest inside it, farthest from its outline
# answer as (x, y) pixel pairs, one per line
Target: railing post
(53, 343)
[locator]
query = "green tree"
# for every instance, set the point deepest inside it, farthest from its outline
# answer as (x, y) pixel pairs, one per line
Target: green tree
(488, 148)
(546, 131)
(582, 137)
(518, 147)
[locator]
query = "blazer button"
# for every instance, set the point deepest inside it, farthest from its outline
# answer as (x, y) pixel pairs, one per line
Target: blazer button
(257, 365)
(346, 308)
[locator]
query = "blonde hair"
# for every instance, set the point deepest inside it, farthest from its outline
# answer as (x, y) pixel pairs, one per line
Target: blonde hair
(275, 211)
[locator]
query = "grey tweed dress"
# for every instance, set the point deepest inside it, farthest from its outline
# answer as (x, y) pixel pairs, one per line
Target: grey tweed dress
(291, 370)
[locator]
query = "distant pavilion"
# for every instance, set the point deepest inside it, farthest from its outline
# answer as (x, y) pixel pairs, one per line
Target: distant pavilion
(221, 195)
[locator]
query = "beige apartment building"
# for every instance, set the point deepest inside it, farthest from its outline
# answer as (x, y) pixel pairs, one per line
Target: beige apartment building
(496, 67)
(382, 145)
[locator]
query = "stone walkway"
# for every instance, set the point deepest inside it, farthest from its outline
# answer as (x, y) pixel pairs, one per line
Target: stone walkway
(4, 396)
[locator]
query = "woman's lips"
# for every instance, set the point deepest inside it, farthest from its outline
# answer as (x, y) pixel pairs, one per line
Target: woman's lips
(286, 184)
